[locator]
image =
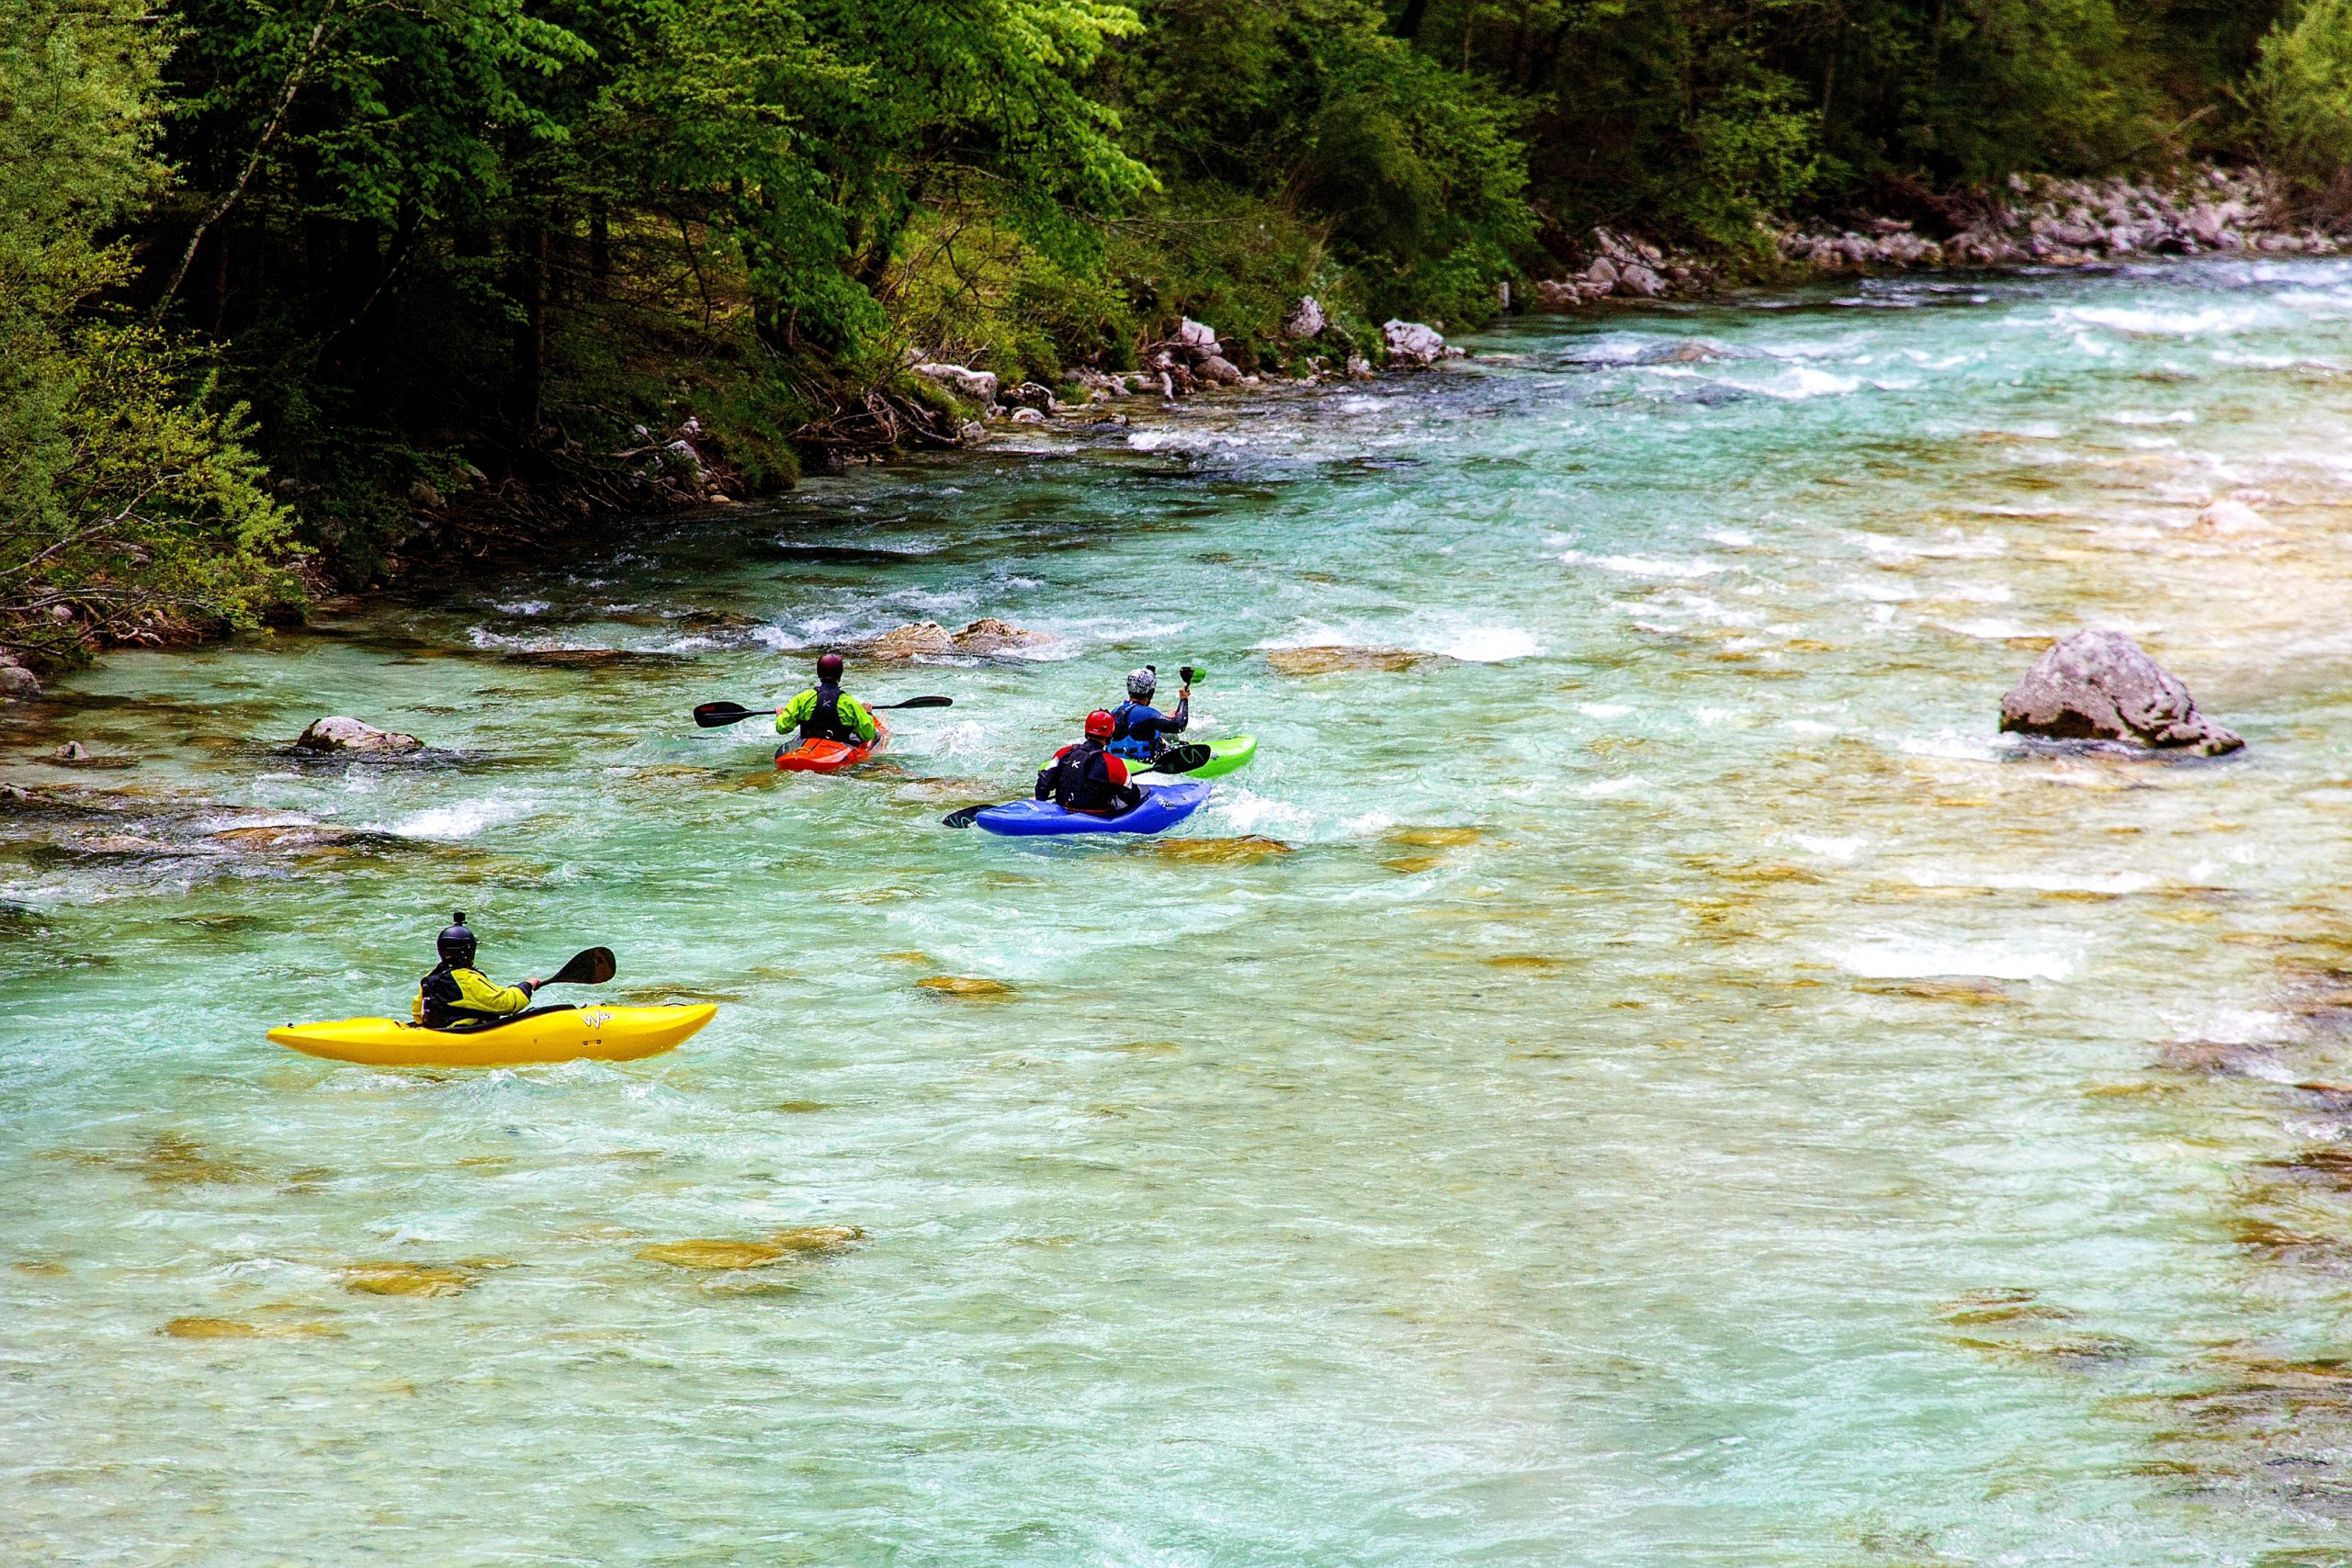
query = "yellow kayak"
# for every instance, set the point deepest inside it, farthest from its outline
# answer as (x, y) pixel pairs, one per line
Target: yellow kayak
(543, 1034)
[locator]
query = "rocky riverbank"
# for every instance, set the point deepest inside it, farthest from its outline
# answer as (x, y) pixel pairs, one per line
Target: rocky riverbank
(2026, 221)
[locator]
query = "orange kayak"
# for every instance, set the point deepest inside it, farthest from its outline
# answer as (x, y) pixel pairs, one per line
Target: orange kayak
(829, 756)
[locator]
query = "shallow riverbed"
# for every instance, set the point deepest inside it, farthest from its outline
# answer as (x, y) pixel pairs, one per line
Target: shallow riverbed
(1637, 1072)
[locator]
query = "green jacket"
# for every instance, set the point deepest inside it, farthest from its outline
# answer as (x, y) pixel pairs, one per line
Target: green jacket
(789, 717)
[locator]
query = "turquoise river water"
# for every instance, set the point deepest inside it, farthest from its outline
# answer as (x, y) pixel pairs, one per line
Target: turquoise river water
(1637, 1072)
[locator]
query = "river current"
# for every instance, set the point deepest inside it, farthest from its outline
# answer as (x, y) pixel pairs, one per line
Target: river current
(1637, 1072)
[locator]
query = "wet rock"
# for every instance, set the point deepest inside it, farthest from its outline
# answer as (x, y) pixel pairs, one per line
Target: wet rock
(1642, 281)
(2099, 685)
(231, 1328)
(977, 386)
(1602, 274)
(1030, 395)
(409, 1279)
(345, 734)
(17, 682)
(1196, 340)
(707, 1252)
(1332, 660)
(990, 634)
(1028, 416)
(1097, 384)
(72, 751)
(912, 641)
(1359, 367)
(1218, 369)
(1410, 342)
(1305, 320)
(964, 985)
(1249, 846)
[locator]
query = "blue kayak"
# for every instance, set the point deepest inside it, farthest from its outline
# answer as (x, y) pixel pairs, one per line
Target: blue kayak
(1163, 807)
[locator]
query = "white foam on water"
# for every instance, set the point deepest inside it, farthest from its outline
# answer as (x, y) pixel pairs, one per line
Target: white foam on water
(1879, 592)
(1605, 710)
(1951, 745)
(1827, 848)
(1649, 566)
(1987, 629)
(1804, 382)
(1486, 644)
(1808, 726)
(1730, 538)
(461, 820)
(1614, 787)
(1912, 958)
(522, 607)
(2142, 323)
(2141, 416)
(1250, 812)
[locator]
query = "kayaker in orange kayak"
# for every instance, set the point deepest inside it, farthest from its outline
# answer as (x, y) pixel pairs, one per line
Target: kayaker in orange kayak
(825, 712)
(457, 992)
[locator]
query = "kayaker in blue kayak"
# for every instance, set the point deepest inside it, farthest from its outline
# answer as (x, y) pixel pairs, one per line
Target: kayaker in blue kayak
(1139, 732)
(825, 712)
(1087, 777)
(457, 992)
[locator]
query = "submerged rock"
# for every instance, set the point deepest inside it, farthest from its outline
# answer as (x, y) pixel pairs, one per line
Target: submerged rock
(1332, 660)
(2099, 685)
(345, 734)
(964, 985)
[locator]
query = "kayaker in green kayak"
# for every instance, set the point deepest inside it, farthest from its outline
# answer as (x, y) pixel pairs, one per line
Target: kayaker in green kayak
(1139, 732)
(825, 712)
(457, 992)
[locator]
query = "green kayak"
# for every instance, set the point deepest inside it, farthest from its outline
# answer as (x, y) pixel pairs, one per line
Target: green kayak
(1226, 756)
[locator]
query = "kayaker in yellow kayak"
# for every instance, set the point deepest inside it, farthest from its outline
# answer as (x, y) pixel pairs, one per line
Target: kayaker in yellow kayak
(825, 712)
(457, 992)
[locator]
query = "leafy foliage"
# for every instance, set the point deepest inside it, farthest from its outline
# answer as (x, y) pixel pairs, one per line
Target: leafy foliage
(2301, 92)
(125, 499)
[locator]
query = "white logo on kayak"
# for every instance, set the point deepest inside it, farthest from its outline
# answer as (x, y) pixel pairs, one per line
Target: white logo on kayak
(596, 1019)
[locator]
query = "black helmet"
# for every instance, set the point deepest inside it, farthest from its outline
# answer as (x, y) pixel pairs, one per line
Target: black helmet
(1142, 682)
(457, 942)
(829, 668)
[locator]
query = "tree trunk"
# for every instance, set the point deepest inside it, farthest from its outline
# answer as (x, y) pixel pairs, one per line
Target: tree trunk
(528, 285)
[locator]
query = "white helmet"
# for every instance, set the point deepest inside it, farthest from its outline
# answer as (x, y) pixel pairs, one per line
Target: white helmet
(1142, 682)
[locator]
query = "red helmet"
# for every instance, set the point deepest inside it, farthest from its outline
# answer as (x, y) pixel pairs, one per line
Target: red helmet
(829, 667)
(1100, 725)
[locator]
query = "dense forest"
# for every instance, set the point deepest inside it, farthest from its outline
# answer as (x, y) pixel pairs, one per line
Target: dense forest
(291, 290)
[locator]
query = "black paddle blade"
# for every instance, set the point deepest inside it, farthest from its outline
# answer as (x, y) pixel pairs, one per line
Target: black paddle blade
(710, 716)
(1188, 675)
(966, 816)
(918, 702)
(1181, 758)
(592, 966)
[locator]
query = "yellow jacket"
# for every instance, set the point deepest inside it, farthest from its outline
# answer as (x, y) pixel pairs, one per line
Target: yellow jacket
(454, 996)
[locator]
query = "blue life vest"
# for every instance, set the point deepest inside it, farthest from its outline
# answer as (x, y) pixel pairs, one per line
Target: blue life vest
(1126, 745)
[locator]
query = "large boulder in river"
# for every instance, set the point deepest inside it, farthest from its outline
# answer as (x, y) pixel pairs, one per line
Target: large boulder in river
(1409, 343)
(979, 386)
(17, 682)
(348, 735)
(2099, 685)
(981, 638)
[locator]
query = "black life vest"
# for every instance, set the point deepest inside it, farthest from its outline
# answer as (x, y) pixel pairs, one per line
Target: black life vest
(1082, 780)
(825, 720)
(442, 1000)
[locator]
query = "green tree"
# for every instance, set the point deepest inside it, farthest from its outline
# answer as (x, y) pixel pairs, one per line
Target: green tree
(126, 501)
(2301, 91)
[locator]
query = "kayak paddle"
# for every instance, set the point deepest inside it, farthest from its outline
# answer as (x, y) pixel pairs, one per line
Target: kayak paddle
(710, 716)
(1177, 760)
(590, 966)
